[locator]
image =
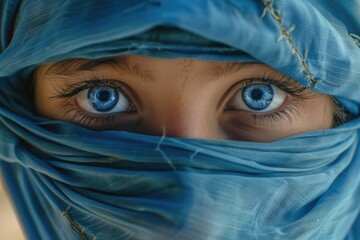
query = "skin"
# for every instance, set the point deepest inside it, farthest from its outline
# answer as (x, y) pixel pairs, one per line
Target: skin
(185, 98)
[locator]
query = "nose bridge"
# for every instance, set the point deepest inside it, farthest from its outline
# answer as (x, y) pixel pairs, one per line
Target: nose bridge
(182, 116)
(186, 121)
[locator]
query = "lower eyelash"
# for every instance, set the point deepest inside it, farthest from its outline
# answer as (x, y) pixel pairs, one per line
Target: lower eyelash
(85, 119)
(70, 107)
(285, 115)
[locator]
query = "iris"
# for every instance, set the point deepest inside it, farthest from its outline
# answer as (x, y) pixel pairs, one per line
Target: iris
(258, 96)
(103, 98)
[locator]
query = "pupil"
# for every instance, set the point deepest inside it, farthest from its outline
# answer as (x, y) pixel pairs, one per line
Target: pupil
(104, 96)
(256, 94)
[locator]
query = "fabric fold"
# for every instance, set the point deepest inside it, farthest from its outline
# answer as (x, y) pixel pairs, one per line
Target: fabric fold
(69, 182)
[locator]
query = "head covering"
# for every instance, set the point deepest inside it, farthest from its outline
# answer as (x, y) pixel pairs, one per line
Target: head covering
(69, 182)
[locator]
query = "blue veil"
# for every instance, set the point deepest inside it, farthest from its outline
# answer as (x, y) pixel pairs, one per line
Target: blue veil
(68, 182)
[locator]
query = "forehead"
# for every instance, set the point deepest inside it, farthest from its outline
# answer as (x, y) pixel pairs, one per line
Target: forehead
(141, 65)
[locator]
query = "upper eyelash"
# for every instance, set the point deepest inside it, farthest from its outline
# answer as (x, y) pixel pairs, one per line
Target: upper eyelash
(73, 89)
(284, 83)
(69, 90)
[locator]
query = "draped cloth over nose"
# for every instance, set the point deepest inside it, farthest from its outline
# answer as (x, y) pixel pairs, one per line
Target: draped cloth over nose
(68, 182)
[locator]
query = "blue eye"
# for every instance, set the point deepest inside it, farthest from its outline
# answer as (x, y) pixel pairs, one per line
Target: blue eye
(258, 98)
(103, 99)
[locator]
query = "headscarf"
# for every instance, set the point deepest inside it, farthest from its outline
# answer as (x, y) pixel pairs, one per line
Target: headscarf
(68, 182)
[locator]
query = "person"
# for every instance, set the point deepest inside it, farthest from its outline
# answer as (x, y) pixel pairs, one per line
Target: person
(203, 99)
(184, 120)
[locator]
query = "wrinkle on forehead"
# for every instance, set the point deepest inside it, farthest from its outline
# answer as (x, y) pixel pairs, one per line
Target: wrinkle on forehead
(134, 66)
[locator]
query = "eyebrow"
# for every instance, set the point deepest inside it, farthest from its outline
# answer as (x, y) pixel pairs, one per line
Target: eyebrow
(227, 68)
(122, 63)
(74, 66)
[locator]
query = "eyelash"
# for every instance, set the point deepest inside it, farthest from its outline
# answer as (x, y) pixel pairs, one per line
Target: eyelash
(285, 115)
(69, 91)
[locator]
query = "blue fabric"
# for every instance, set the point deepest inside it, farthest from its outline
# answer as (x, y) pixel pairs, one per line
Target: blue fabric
(68, 182)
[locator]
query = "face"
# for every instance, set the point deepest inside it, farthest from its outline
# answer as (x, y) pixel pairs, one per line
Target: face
(180, 98)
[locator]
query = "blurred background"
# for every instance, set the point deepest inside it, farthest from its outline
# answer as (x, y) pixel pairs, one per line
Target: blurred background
(9, 226)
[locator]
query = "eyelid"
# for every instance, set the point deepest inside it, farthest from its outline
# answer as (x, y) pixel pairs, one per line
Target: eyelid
(99, 121)
(283, 82)
(71, 89)
(70, 107)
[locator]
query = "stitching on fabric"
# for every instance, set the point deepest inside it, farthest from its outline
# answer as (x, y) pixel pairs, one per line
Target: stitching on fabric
(285, 34)
(74, 226)
(355, 38)
(194, 154)
(158, 148)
